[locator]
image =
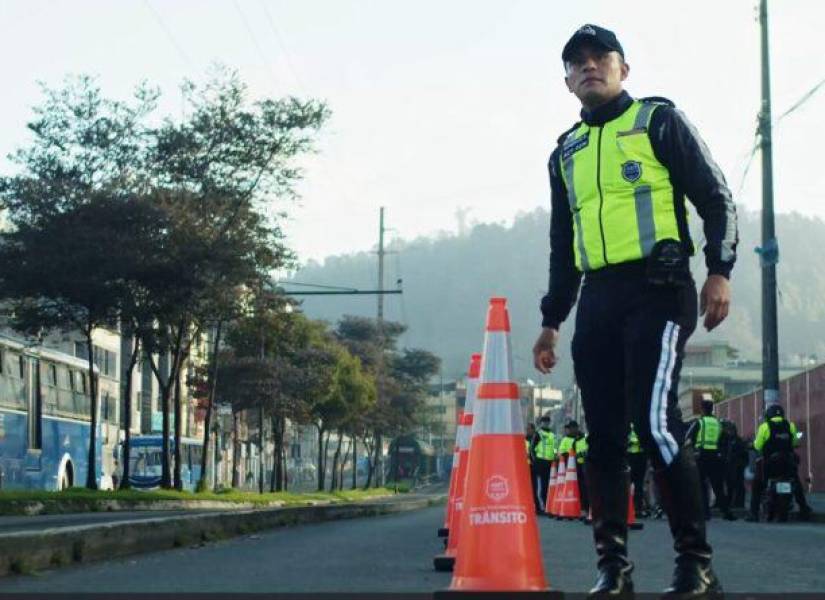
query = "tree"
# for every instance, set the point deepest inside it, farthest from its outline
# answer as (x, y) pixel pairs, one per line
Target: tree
(85, 155)
(214, 173)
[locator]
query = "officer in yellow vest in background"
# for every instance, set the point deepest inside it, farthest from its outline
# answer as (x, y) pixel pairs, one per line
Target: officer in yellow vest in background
(619, 181)
(575, 439)
(637, 460)
(776, 436)
(706, 433)
(531, 460)
(544, 452)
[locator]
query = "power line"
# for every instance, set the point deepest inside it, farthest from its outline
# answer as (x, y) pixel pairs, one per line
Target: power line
(169, 34)
(756, 142)
(280, 41)
(255, 43)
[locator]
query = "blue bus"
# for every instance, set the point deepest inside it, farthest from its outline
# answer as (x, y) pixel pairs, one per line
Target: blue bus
(44, 419)
(146, 452)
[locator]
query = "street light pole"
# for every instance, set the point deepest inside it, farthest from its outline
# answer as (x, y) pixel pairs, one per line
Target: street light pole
(769, 252)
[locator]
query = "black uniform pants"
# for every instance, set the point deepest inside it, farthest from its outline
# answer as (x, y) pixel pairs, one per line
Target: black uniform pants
(712, 469)
(627, 355)
(638, 470)
(543, 468)
(534, 484)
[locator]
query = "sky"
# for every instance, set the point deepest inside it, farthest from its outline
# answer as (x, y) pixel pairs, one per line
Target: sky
(440, 107)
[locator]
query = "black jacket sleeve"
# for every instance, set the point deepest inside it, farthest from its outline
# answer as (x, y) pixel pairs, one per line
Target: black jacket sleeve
(564, 276)
(677, 145)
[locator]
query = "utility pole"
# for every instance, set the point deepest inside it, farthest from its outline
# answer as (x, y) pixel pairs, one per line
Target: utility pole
(379, 451)
(381, 267)
(769, 252)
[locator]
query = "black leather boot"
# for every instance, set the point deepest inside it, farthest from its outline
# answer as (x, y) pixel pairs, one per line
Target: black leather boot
(681, 494)
(608, 490)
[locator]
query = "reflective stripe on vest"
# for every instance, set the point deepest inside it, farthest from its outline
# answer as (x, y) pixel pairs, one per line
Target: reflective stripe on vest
(620, 195)
(545, 449)
(709, 432)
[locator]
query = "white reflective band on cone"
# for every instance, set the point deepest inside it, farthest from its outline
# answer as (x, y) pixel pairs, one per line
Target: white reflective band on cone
(497, 364)
(497, 416)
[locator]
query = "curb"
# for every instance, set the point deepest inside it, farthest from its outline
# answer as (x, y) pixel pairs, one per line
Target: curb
(25, 552)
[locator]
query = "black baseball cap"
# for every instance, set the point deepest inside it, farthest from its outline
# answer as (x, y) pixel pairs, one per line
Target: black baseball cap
(595, 35)
(571, 423)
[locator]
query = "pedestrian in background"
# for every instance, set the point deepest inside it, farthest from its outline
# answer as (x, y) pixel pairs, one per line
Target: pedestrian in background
(706, 434)
(531, 460)
(544, 452)
(637, 459)
(619, 179)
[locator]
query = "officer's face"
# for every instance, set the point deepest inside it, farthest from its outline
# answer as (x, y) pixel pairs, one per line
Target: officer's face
(595, 75)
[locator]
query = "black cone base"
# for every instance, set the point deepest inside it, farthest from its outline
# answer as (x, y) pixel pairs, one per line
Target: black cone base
(442, 562)
(637, 525)
(547, 595)
(443, 531)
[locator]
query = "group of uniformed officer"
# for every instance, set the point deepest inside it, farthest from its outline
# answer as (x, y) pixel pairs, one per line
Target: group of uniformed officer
(542, 450)
(721, 455)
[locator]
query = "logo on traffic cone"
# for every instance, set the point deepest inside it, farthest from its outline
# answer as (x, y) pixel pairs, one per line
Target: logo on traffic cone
(632, 523)
(551, 489)
(571, 507)
(561, 476)
(448, 514)
(499, 543)
(445, 562)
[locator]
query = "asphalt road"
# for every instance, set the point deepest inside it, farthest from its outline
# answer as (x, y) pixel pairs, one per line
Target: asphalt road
(394, 554)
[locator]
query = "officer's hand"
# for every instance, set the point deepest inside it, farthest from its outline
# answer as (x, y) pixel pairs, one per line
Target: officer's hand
(714, 301)
(544, 350)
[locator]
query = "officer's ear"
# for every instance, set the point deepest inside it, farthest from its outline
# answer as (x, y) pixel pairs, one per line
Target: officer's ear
(625, 69)
(567, 78)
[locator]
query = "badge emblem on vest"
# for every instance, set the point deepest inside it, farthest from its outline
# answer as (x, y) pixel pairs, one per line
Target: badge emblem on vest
(632, 171)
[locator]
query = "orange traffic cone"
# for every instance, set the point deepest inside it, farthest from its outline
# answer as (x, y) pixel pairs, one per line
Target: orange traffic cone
(561, 476)
(444, 531)
(499, 545)
(445, 562)
(551, 489)
(632, 523)
(571, 507)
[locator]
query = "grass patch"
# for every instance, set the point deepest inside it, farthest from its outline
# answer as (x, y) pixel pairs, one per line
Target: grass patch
(82, 500)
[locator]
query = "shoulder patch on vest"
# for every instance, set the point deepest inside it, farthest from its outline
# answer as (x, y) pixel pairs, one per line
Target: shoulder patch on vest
(573, 145)
(657, 100)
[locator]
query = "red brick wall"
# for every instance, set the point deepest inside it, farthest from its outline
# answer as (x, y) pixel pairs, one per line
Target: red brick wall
(803, 398)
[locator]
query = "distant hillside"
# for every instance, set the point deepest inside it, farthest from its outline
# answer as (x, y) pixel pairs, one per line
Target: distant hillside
(447, 281)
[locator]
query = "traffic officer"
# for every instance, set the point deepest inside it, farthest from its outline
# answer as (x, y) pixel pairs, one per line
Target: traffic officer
(528, 444)
(574, 439)
(637, 459)
(544, 452)
(619, 179)
(735, 456)
(706, 435)
(776, 435)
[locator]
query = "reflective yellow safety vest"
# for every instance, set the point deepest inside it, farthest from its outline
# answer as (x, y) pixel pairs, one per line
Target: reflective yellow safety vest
(565, 444)
(546, 448)
(633, 444)
(620, 195)
(580, 446)
(527, 448)
(709, 432)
